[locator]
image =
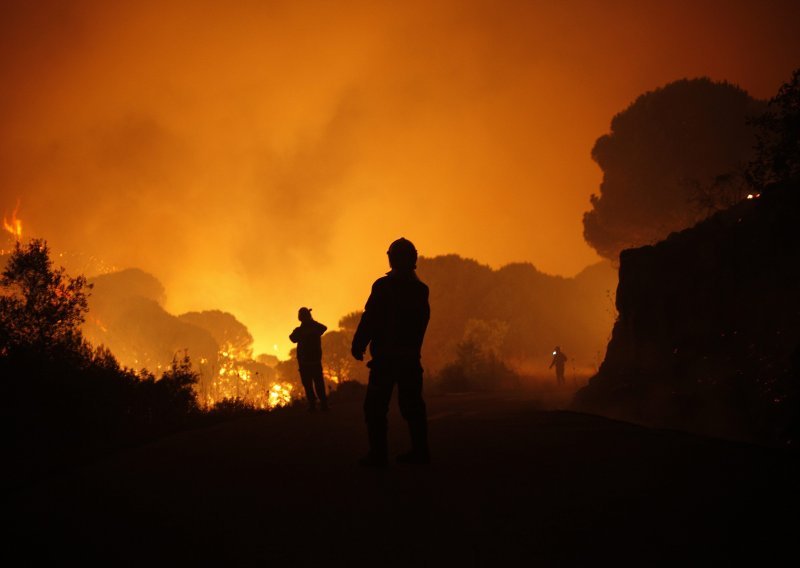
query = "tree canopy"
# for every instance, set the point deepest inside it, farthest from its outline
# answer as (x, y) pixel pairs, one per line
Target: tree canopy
(63, 398)
(669, 149)
(778, 149)
(40, 306)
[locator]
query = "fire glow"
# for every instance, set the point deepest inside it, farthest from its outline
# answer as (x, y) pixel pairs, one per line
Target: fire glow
(13, 226)
(233, 381)
(296, 134)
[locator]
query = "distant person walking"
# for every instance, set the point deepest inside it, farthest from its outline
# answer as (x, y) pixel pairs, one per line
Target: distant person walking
(309, 357)
(559, 358)
(393, 326)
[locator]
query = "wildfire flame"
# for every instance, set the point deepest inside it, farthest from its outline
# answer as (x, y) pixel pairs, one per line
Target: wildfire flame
(234, 381)
(280, 395)
(14, 225)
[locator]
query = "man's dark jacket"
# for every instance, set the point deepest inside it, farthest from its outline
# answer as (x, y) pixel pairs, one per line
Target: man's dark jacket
(309, 346)
(394, 319)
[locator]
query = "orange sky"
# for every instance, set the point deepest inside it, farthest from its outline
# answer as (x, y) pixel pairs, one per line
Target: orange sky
(257, 156)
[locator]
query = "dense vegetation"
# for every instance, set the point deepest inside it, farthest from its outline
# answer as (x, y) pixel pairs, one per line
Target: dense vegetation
(63, 398)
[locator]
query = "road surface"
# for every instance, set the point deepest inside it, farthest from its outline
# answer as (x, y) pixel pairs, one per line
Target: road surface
(510, 484)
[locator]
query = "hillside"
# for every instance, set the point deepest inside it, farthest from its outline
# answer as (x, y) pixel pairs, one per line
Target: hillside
(708, 334)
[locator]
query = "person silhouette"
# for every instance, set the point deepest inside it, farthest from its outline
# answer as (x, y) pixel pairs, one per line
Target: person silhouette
(393, 326)
(559, 358)
(309, 357)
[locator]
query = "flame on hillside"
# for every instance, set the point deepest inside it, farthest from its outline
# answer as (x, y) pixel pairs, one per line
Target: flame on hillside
(13, 225)
(233, 380)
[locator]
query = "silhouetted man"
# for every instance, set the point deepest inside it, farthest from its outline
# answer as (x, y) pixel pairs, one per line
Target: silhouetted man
(393, 325)
(309, 357)
(558, 360)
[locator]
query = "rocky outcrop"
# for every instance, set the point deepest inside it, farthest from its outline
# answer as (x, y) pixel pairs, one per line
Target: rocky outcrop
(708, 333)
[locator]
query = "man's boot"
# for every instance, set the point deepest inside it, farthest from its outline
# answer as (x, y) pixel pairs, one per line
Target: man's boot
(378, 454)
(419, 454)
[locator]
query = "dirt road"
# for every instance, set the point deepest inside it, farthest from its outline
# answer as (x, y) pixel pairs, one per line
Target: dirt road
(510, 484)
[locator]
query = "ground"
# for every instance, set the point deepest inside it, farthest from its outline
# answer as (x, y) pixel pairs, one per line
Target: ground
(510, 484)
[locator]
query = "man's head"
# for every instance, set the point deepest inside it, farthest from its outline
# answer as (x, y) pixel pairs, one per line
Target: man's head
(304, 314)
(402, 255)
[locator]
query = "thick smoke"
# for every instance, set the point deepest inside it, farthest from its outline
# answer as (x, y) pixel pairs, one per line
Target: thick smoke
(260, 158)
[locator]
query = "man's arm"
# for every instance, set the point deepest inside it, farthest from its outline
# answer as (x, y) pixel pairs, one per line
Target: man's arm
(295, 336)
(366, 326)
(427, 312)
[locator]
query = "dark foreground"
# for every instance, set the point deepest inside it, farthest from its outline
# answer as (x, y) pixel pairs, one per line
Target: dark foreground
(510, 484)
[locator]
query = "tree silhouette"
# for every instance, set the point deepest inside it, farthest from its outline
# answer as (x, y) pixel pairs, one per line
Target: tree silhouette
(476, 368)
(349, 322)
(40, 306)
(778, 148)
(226, 330)
(337, 360)
(62, 398)
(665, 153)
(516, 311)
(126, 314)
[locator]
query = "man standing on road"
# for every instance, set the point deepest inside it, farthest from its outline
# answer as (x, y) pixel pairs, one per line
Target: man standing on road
(559, 358)
(393, 325)
(309, 357)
